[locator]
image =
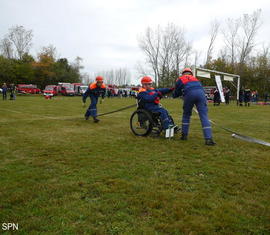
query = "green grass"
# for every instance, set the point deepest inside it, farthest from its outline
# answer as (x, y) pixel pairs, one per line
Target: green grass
(60, 174)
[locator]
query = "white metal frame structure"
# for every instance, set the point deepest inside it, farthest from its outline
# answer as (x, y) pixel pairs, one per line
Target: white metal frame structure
(234, 76)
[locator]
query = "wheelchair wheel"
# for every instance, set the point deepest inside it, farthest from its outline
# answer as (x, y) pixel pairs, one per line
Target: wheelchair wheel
(141, 123)
(157, 124)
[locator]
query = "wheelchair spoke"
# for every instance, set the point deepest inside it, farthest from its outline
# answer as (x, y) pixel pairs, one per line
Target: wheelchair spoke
(141, 123)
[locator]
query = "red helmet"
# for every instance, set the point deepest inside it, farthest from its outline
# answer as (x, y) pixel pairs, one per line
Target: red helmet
(99, 79)
(187, 70)
(146, 80)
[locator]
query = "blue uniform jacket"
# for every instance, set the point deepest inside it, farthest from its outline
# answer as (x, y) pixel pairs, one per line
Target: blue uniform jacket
(186, 83)
(149, 99)
(94, 90)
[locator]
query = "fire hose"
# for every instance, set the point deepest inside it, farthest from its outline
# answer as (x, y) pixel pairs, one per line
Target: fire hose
(117, 110)
(238, 135)
(234, 134)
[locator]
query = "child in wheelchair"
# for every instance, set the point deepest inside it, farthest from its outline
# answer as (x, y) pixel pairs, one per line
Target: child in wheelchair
(149, 99)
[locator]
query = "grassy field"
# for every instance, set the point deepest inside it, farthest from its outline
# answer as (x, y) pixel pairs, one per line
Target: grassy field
(60, 174)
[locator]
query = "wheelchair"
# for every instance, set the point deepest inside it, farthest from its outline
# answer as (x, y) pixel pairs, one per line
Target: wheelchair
(144, 122)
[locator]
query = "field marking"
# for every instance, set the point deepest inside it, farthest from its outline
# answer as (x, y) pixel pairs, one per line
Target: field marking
(13, 111)
(38, 117)
(42, 118)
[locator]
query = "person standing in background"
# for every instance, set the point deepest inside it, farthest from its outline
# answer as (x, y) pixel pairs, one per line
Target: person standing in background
(227, 95)
(247, 97)
(241, 97)
(12, 92)
(4, 91)
(216, 97)
(265, 97)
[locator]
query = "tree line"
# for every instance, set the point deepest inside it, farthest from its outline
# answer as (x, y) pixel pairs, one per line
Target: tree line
(18, 66)
(167, 50)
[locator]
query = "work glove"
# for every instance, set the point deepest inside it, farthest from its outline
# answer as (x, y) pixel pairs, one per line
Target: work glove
(157, 100)
(159, 94)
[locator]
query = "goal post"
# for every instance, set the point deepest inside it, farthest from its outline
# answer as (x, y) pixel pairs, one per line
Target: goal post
(233, 78)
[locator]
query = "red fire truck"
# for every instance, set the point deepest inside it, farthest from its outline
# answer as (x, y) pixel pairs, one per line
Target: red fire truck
(66, 89)
(28, 89)
(50, 90)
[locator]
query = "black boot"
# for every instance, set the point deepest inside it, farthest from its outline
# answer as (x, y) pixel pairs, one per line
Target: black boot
(96, 120)
(183, 137)
(209, 142)
(86, 117)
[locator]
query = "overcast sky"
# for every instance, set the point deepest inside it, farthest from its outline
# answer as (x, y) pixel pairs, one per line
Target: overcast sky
(105, 33)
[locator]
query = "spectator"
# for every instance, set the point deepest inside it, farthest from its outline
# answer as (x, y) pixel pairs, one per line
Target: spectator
(12, 92)
(241, 97)
(265, 97)
(4, 91)
(247, 97)
(227, 95)
(216, 97)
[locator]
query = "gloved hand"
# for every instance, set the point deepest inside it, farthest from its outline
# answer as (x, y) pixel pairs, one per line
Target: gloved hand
(159, 94)
(157, 100)
(172, 89)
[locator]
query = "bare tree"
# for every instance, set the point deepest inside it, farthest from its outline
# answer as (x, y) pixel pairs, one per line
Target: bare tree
(78, 63)
(21, 39)
(250, 25)
(187, 54)
(213, 35)
(6, 48)
(230, 34)
(124, 76)
(166, 53)
(86, 79)
(119, 77)
(150, 44)
(166, 49)
(108, 76)
(182, 51)
(142, 70)
(49, 51)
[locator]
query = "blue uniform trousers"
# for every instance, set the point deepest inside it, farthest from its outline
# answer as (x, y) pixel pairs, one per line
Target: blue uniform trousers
(196, 97)
(164, 116)
(92, 110)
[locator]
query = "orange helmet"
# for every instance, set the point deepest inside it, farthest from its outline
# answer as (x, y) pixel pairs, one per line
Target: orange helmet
(146, 80)
(99, 79)
(187, 70)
